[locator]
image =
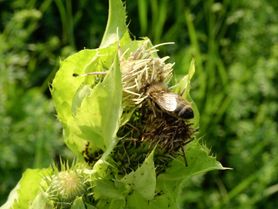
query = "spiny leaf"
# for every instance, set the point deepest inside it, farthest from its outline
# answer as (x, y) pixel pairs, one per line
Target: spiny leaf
(99, 114)
(199, 161)
(116, 24)
(143, 180)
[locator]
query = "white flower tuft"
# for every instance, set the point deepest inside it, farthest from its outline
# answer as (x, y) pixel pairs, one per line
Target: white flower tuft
(141, 69)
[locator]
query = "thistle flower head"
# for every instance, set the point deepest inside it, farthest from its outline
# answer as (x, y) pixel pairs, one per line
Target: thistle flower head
(142, 68)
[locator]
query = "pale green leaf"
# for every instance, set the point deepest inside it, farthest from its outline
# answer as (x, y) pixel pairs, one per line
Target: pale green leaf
(65, 85)
(199, 161)
(117, 204)
(69, 91)
(143, 180)
(82, 92)
(116, 24)
(161, 202)
(64, 88)
(41, 202)
(108, 190)
(136, 201)
(78, 204)
(26, 190)
(99, 114)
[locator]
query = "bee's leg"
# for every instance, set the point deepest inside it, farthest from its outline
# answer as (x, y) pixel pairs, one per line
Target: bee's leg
(184, 157)
(185, 161)
(152, 105)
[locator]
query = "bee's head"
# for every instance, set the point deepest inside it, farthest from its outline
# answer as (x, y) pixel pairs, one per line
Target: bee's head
(186, 113)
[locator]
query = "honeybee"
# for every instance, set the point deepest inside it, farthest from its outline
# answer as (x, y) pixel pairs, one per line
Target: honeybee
(169, 102)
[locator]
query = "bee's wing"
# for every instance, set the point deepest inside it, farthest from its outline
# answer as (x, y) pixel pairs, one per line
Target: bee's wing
(168, 101)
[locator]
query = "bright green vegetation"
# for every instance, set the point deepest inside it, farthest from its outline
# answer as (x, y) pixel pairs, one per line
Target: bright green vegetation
(236, 51)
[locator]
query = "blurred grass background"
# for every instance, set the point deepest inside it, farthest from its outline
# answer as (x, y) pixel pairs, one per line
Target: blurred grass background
(235, 44)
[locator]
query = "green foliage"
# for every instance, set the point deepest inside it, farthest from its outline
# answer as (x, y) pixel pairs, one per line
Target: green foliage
(30, 48)
(235, 91)
(235, 47)
(29, 132)
(234, 44)
(252, 125)
(68, 94)
(90, 111)
(143, 180)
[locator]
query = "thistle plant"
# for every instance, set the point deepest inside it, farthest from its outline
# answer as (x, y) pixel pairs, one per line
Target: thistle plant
(131, 150)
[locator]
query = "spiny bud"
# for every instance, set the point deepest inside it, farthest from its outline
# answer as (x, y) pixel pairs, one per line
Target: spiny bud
(64, 186)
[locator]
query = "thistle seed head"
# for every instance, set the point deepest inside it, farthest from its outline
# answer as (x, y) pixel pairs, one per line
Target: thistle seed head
(150, 128)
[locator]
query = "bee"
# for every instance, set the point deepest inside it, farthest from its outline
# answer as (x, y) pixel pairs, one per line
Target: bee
(169, 102)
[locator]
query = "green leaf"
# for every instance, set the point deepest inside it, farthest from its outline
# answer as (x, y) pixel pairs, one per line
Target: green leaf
(118, 204)
(64, 88)
(65, 85)
(136, 201)
(143, 180)
(111, 204)
(116, 24)
(108, 190)
(69, 91)
(42, 202)
(80, 94)
(78, 204)
(160, 202)
(26, 190)
(99, 114)
(199, 161)
(88, 206)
